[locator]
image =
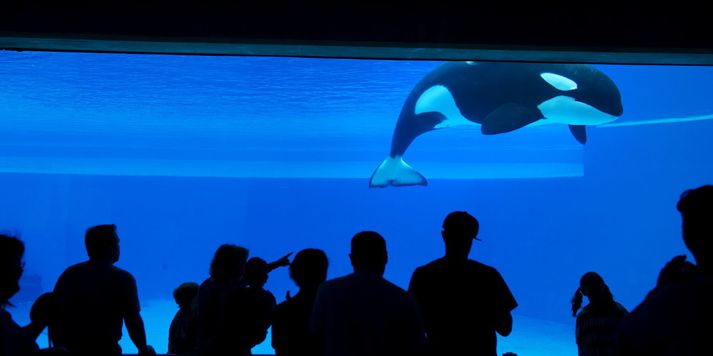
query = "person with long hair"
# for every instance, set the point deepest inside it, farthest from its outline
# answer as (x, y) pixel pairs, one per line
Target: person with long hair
(13, 339)
(598, 321)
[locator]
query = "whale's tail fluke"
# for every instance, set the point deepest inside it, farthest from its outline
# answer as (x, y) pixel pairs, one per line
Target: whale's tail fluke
(394, 171)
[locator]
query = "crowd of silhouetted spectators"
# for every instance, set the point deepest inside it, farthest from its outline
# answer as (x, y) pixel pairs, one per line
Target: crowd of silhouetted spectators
(453, 306)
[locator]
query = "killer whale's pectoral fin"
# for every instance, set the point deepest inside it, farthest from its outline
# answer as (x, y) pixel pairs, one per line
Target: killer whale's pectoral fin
(395, 172)
(509, 117)
(579, 132)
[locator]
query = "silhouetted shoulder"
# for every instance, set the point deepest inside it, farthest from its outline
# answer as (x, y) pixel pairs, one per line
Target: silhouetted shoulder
(463, 286)
(89, 267)
(672, 321)
(83, 275)
(442, 269)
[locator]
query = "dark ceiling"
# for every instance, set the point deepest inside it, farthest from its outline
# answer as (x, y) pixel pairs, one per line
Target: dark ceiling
(581, 31)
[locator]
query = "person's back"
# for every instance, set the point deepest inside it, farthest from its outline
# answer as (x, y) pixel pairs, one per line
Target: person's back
(94, 298)
(261, 301)
(290, 330)
(222, 328)
(182, 332)
(463, 302)
(362, 313)
(673, 320)
(597, 323)
(675, 317)
(366, 315)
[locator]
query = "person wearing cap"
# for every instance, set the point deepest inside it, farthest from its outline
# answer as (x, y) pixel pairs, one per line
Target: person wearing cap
(675, 317)
(463, 302)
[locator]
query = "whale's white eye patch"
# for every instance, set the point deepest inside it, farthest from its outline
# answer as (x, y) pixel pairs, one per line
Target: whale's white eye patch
(559, 82)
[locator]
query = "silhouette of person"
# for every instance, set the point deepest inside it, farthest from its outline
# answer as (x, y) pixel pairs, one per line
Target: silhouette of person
(182, 332)
(364, 314)
(94, 298)
(674, 319)
(13, 339)
(597, 323)
(263, 302)
(223, 328)
(290, 329)
(463, 302)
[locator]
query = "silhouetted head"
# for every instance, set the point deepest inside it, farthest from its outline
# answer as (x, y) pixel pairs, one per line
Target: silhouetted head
(256, 272)
(228, 262)
(459, 230)
(185, 294)
(44, 309)
(368, 253)
(696, 207)
(592, 286)
(309, 268)
(11, 266)
(102, 243)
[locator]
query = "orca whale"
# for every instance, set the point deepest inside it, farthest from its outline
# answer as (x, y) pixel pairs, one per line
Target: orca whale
(500, 97)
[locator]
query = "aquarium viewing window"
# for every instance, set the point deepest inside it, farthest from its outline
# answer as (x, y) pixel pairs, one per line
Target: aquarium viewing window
(185, 152)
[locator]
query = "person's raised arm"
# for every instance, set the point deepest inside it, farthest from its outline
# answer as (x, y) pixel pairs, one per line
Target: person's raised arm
(281, 262)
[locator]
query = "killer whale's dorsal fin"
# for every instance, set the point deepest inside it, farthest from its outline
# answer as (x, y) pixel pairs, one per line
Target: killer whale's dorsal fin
(579, 132)
(509, 117)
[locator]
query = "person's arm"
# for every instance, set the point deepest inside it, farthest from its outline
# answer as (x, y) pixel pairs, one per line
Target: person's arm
(414, 329)
(137, 333)
(506, 303)
(133, 321)
(278, 337)
(264, 310)
(281, 262)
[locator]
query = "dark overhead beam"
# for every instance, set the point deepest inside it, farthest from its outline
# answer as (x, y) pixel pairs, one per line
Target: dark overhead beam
(674, 33)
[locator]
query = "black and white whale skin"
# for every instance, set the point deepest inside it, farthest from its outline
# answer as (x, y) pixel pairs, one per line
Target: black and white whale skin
(500, 97)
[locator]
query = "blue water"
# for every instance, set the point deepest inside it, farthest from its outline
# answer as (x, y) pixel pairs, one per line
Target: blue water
(185, 153)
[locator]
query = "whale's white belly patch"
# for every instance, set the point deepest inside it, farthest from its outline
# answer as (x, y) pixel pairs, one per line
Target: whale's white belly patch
(439, 99)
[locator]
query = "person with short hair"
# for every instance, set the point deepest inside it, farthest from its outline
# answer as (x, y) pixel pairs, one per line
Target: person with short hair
(674, 318)
(364, 314)
(95, 297)
(182, 332)
(262, 302)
